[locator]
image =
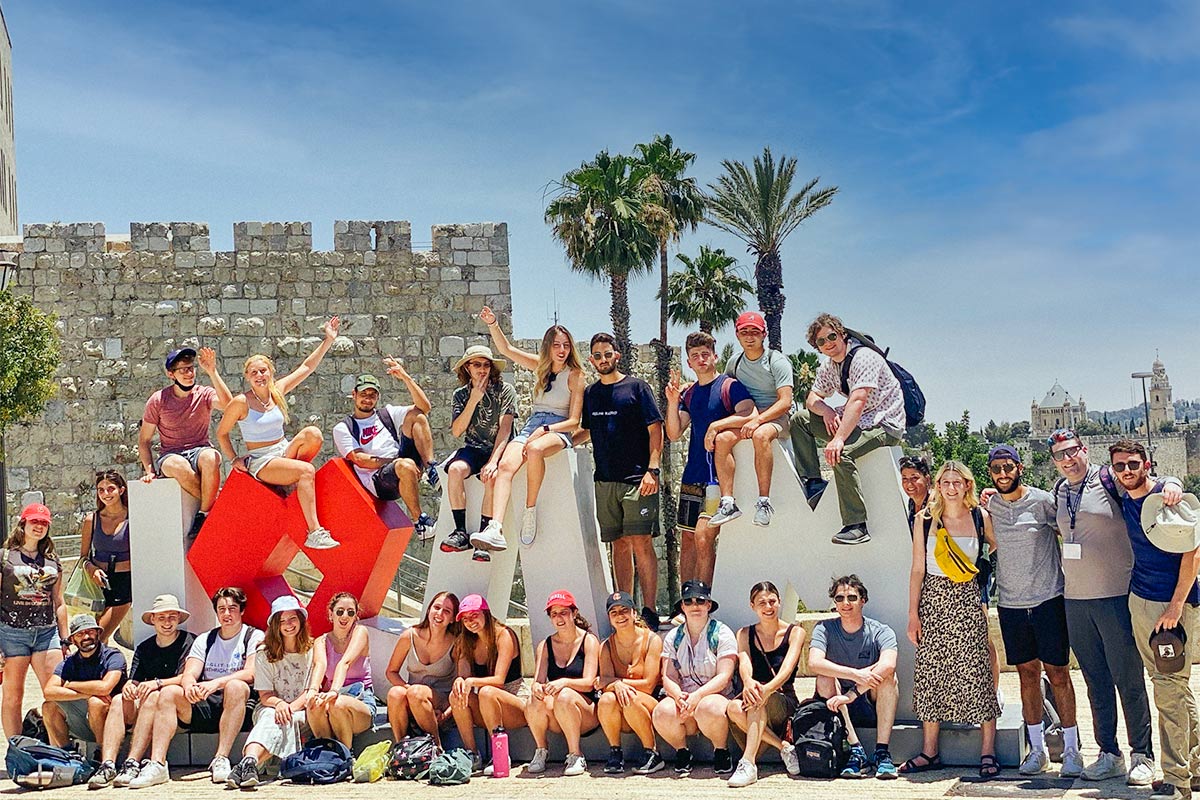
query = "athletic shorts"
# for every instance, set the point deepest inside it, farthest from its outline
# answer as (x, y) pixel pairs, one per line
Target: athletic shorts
(622, 511)
(386, 482)
(861, 708)
(258, 458)
(76, 712)
(206, 715)
(472, 457)
(120, 591)
(192, 456)
(408, 449)
(1036, 633)
(695, 505)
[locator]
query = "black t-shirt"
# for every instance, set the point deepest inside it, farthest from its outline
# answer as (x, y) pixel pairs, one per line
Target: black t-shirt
(151, 661)
(618, 415)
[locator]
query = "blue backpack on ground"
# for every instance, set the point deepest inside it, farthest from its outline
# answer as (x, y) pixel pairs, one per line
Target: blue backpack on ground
(320, 762)
(914, 398)
(37, 765)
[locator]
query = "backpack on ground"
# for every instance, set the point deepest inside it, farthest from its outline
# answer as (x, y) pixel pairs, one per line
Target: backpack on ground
(372, 763)
(450, 768)
(819, 736)
(36, 765)
(410, 758)
(321, 761)
(914, 398)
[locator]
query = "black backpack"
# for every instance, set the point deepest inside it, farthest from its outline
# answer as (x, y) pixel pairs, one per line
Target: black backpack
(914, 398)
(322, 761)
(819, 736)
(410, 758)
(385, 417)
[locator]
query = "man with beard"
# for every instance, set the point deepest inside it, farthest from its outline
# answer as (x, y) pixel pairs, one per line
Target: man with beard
(181, 414)
(81, 690)
(1031, 610)
(626, 428)
(1163, 596)
(390, 447)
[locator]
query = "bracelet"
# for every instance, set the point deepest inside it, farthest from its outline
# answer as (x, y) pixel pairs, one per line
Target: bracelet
(545, 429)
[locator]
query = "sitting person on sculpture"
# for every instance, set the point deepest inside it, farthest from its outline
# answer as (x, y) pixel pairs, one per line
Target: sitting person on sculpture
(872, 417)
(104, 537)
(80, 693)
(33, 616)
(854, 659)
(425, 654)
(390, 447)
(630, 666)
(261, 413)
(157, 662)
(563, 695)
(344, 703)
(716, 407)
(699, 657)
(483, 413)
(767, 376)
(283, 670)
(952, 679)
(768, 655)
(489, 690)
(557, 405)
(215, 692)
(181, 415)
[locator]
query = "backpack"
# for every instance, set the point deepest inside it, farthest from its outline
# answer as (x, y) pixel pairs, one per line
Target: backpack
(723, 386)
(35, 765)
(372, 763)
(1106, 480)
(914, 398)
(819, 736)
(385, 417)
(320, 762)
(450, 768)
(410, 758)
(34, 727)
(212, 639)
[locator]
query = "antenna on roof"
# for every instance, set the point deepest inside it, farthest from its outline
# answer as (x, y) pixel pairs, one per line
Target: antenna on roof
(555, 307)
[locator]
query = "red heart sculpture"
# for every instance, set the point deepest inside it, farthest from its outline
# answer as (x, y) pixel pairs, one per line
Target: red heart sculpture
(252, 534)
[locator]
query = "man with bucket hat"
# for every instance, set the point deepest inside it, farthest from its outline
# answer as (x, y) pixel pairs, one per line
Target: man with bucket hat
(1163, 599)
(81, 690)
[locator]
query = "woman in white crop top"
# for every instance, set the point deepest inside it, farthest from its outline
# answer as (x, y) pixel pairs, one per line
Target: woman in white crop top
(261, 413)
(557, 408)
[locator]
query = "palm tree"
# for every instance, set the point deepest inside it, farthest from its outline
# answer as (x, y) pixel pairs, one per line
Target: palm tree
(708, 291)
(598, 214)
(757, 206)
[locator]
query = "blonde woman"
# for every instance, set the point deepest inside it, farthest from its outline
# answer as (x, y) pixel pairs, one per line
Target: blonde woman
(952, 678)
(557, 408)
(261, 413)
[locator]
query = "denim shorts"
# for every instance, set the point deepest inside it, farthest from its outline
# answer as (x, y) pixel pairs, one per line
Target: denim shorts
(537, 420)
(360, 692)
(18, 642)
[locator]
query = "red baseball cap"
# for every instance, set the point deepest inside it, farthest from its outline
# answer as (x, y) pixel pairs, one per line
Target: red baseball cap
(35, 512)
(562, 598)
(750, 319)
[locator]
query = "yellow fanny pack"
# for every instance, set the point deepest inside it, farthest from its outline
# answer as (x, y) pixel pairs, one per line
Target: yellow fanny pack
(951, 559)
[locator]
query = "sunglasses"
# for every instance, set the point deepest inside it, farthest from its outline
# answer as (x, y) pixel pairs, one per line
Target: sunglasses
(821, 341)
(1062, 435)
(604, 356)
(1002, 469)
(1063, 455)
(1132, 466)
(845, 598)
(345, 612)
(694, 601)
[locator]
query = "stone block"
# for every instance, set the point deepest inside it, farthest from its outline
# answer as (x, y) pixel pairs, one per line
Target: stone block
(166, 307)
(485, 288)
(477, 258)
(112, 348)
(451, 346)
(248, 326)
(235, 306)
(264, 306)
(460, 243)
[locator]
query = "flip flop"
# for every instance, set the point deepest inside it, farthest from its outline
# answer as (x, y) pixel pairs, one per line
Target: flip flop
(912, 766)
(989, 767)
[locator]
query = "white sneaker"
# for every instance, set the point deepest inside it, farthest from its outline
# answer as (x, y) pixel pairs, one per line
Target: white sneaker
(537, 764)
(320, 539)
(128, 772)
(220, 767)
(489, 770)
(745, 774)
(529, 526)
(152, 773)
(791, 761)
(576, 764)
(1141, 770)
(490, 538)
(1072, 764)
(1036, 762)
(763, 510)
(727, 511)
(1108, 765)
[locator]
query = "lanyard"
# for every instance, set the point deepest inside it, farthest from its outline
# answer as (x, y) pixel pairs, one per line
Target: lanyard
(1074, 506)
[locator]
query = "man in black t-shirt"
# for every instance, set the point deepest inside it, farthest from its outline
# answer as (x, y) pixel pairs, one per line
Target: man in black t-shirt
(626, 429)
(157, 662)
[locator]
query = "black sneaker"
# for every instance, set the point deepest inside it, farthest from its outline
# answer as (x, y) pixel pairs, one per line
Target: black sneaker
(197, 524)
(456, 542)
(616, 761)
(481, 555)
(653, 763)
(431, 476)
(813, 487)
(683, 761)
(852, 534)
(722, 761)
(650, 617)
(244, 775)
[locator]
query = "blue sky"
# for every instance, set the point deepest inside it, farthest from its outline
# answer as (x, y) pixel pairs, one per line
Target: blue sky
(1018, 185)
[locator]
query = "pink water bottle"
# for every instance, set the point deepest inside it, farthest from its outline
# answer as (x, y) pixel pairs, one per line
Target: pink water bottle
(500, 762)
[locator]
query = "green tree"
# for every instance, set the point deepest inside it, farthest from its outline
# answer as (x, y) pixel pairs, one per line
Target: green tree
(757, 206)
(1020, 430)
(708, 291)
(725, 357)
(958, 443)
(598, 214)
(804, 372)
(997, 433)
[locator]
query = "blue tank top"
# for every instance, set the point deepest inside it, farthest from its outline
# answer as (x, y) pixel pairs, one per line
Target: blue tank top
(106, 548)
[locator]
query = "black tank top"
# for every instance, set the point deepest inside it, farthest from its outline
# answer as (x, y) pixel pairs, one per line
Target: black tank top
(765, 665)
(574, 668)
(514, 667)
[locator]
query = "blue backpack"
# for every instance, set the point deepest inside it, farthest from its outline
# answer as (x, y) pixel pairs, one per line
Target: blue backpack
(914, 398)
(37, 765)
(320, 762)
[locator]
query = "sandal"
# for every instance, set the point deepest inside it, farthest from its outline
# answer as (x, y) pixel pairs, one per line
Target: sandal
(913, 766)
(989, 767)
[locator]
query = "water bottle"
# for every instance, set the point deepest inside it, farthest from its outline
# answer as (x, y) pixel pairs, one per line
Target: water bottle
(500, 761)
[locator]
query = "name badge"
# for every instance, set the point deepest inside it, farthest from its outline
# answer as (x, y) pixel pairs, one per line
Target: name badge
(1072, 550)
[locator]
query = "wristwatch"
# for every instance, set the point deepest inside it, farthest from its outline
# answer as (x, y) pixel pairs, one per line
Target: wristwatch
(545, 429)
(653, 471)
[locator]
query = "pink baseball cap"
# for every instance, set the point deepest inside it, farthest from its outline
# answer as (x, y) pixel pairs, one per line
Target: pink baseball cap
(562, 598)
(750, 319)
(35, 512)
(470, 604)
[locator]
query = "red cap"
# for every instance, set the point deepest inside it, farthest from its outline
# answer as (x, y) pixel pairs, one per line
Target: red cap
(35, 512)
(561, 598)
(750, 319)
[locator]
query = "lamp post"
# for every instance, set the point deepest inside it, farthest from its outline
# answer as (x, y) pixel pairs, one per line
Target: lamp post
(8, 270)
(1146, 406)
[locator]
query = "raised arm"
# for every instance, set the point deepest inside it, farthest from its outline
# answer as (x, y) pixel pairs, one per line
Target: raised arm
(525, 359)
(677, 419)
(207, 358)
(293, 379)
(233, 413)
(396, 369)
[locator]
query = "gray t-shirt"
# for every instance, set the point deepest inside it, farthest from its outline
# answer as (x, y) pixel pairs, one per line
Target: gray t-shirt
(857, 650)
(1029, 563)
(764, 377)
(1106, 557)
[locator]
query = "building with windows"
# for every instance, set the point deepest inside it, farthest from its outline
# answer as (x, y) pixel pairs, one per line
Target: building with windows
(8, 165)
(1057, 410)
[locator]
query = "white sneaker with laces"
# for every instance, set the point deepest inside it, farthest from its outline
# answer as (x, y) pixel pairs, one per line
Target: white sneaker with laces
(490, 538)
(791, 761)
(1037, 761)
(220, 769)
(320, 539)
(745, 774)
(152, 773)
(1072, 764)
(727, 511)
(537, 764)
(1108, 765)
(576, 764)
(1141, 770)
(529, 526)
(763, 511)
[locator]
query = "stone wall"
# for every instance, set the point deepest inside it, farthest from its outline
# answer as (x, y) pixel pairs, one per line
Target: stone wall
(122, 306)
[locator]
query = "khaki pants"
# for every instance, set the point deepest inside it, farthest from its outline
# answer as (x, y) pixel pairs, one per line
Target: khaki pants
(1178, 723)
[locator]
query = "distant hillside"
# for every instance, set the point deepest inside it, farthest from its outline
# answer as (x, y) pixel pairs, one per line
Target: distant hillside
(1185, 410)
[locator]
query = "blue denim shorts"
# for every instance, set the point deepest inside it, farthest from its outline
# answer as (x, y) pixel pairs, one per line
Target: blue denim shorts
(18, 642)
(537, 420)
(360, 692)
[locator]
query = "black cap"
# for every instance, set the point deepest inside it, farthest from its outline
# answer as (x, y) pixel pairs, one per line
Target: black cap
(695, 590)
(1168, 645)
(175, 355)
(623, 599)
